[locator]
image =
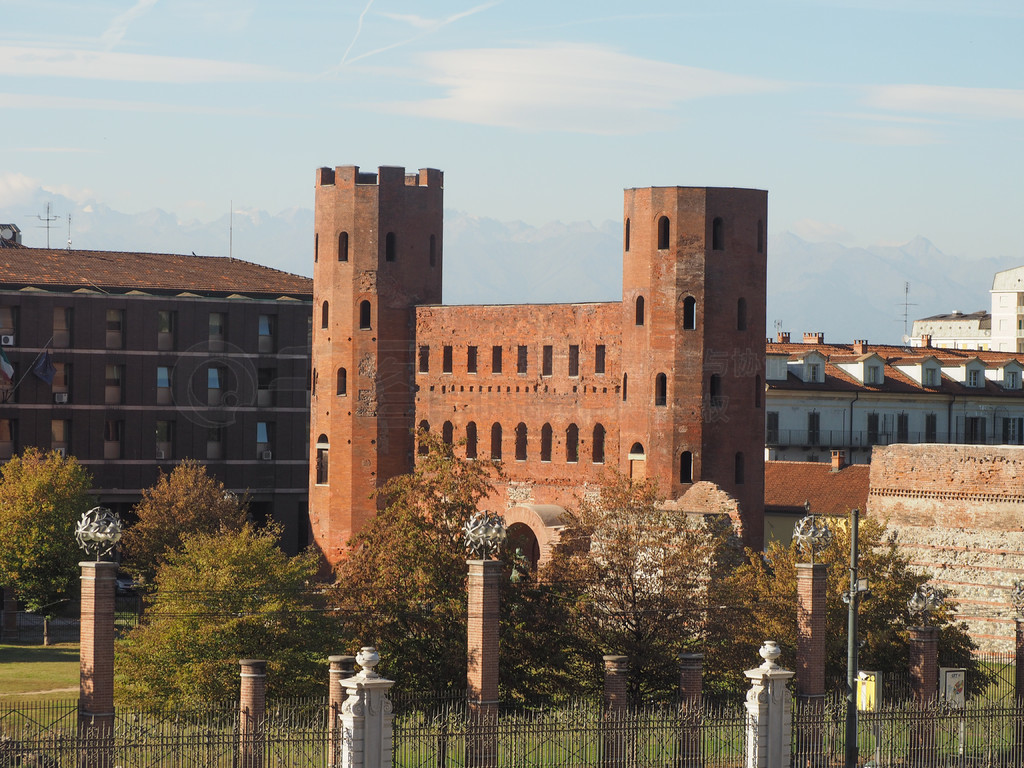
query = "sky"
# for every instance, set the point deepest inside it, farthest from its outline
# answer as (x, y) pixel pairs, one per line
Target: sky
(869, 121)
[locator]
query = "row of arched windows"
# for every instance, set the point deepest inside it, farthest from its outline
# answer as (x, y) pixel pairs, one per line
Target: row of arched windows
(390, 247)
(717, 234)
(690, 313)
(572, 441)
(364, 315)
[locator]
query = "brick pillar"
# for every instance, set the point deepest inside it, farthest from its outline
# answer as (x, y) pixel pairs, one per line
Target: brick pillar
(924, 682)
(1019, 691)
(616, 701)
(691, 679)
(96, 662)
(484, 587)
(691, 682)
(252, 708)
(342, 668)
(9, 632)
(811, 587)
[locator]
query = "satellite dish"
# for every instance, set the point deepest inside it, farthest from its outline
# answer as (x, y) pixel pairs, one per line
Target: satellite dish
(6, 233)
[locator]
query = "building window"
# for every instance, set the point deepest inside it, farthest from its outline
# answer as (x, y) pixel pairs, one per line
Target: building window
(639, 310)
(771, 428)
(873, 375)
(663, 233)
(323, 447)
(471, 440)
(62, 323)
(545, 443)
(625, 385)
(422, 448)
(389, 247)
(163, 385)
(9, 322)
(1012, 379)
(424, 366)
(599, 358)
(1013, 430)
(574, 360)
(433, 251)
(660, 389)
(873, 432)
(61, 382)
(166, 328)
(267, 329)
(316, 247)
(521, 359)
(343, 246)
(164, 440)
(113, 438)
(264, 440)
(814, 428)
(7, 430)
(717, 399)
(974, 430)
(572, 444)
(316, 376)
(547, 361)
(113, 390)
(60, 436)
(265, 378)
(739, 469)
(495, 359)
(215, 385)
(448, 433)
(215, 443)
(973, 378)
(470, 359)
(520, 441)
(760, 236)
(902, 428)
(597, 445)
(625, 244)
(812, 372)
(931, 378)
(364, 315)
(218, 330)
(741, 314)
(689, 313)
(342, 381)
(446, 359)
(496, 441)
(931, 430)
(324, 315)
(717, 234)
(686, 467)
(115, 329)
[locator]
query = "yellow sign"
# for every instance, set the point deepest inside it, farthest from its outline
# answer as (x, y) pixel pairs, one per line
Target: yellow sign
(869, 689)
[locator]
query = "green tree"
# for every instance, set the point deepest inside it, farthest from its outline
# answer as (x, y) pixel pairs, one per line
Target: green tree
(758, 602)
(185, 501)
(42, 497)
(639, 570)
(222, 597)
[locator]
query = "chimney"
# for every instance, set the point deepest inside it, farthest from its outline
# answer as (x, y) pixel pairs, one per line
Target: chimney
(860, 346)
(814, 338)
(782, 338)
(838, 460)
(926, 340)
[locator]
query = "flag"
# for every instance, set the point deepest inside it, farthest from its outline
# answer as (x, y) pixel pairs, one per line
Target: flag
(5, 366)
(44, 369)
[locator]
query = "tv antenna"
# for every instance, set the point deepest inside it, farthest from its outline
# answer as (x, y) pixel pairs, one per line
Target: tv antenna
(48, 219)
(69, 231)
(907, 304)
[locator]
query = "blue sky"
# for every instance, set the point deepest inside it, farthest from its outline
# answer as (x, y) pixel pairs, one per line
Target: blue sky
(868, 121)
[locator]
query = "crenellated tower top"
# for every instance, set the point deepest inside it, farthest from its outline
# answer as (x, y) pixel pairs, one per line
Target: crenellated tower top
(387, 175)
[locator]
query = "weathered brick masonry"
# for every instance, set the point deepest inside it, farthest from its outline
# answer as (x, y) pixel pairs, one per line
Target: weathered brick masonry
(666, 383)
(959, 513)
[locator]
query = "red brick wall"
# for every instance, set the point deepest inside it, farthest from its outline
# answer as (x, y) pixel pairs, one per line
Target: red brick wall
(810, 661)
(96, 649)
(484, 594)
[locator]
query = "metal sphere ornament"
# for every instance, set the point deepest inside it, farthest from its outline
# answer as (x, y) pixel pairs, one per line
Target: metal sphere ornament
(925, 600)
(484, 534)
(98, 532)
(1017, 597)
(810, 535)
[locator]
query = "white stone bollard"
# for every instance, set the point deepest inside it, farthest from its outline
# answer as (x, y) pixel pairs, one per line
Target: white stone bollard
(769, 712)
(366, 716)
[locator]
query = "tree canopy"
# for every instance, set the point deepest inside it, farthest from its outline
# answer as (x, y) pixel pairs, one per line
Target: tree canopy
(221, 597)
(186, 501)
(42, 498)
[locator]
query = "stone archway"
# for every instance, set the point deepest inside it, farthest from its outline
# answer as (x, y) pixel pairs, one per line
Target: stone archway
(543, 522)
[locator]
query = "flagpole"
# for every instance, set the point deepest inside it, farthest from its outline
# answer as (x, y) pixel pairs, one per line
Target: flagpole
(31, 366)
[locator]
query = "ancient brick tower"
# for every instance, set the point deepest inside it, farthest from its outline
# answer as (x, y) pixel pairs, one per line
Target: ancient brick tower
(377, 253)
(693, 329)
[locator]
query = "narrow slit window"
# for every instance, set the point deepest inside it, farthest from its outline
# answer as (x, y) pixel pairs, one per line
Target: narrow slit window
(572, 444)
(389, 247)
(433, 251)
(342, 381)
(663, 233)
(446, 358)
(686, 467)
(597, 446)
(471, 440)
(741, 314)
(545, 443)
(364, 315)
(548, 361)
(574, 360)
(471, 360)
(496, 441)
(325, 315)
(625, 245)
(660, 389)
(447, 432)
(521, 359)
(717, 234)
(343, 246)
(639, 310)
(424, 366)
(422, 447)
(521, 442)
(495, 359)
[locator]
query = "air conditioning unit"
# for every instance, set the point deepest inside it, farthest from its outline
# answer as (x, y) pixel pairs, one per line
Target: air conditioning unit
(7, 340)
(61, 451)
(160, 454)
(60, 397)
(267, 455)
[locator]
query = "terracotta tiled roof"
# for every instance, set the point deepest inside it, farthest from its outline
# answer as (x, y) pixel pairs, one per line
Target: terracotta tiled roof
(156, 272)
(788, 484)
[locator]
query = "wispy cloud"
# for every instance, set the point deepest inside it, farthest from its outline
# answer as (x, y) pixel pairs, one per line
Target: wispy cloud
(986, 103)
(28, 101)
(56, 150)
(821, 231)
(578, 88)
(128, 67)
(16, 188)
(355, 37)
(119, 26)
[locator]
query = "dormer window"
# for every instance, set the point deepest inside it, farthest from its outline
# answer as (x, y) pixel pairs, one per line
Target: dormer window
(1012, 379)
(931, 377)
(812, 372)
(873, 374)
(973, 377)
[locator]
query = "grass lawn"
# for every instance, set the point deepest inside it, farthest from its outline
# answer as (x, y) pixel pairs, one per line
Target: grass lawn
(28, 670)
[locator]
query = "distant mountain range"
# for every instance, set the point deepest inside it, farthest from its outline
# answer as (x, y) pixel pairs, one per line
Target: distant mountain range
(847, 293)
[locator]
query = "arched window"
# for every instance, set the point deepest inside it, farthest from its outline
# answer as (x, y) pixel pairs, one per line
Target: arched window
(758, 391)
(689, 313)
(364, 315)
(520, 442)
(389, 247)
(760, 236)
(597, 446)
(324, 313)
(636, 451)
(639, 310)
(424, 427)
(316, 247)
(496, 441)
(572, 444)
(626, 237)
(545, 443)
(715, 391)
(447, 432)
(660, 389)
(343, 246)
(433, 250)
(471, 440)
(625, 383)
(663, 233)
(739, 468)
(717, 234)
(322, 448)
(741, 314)
(342, 381)
(685, 467)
